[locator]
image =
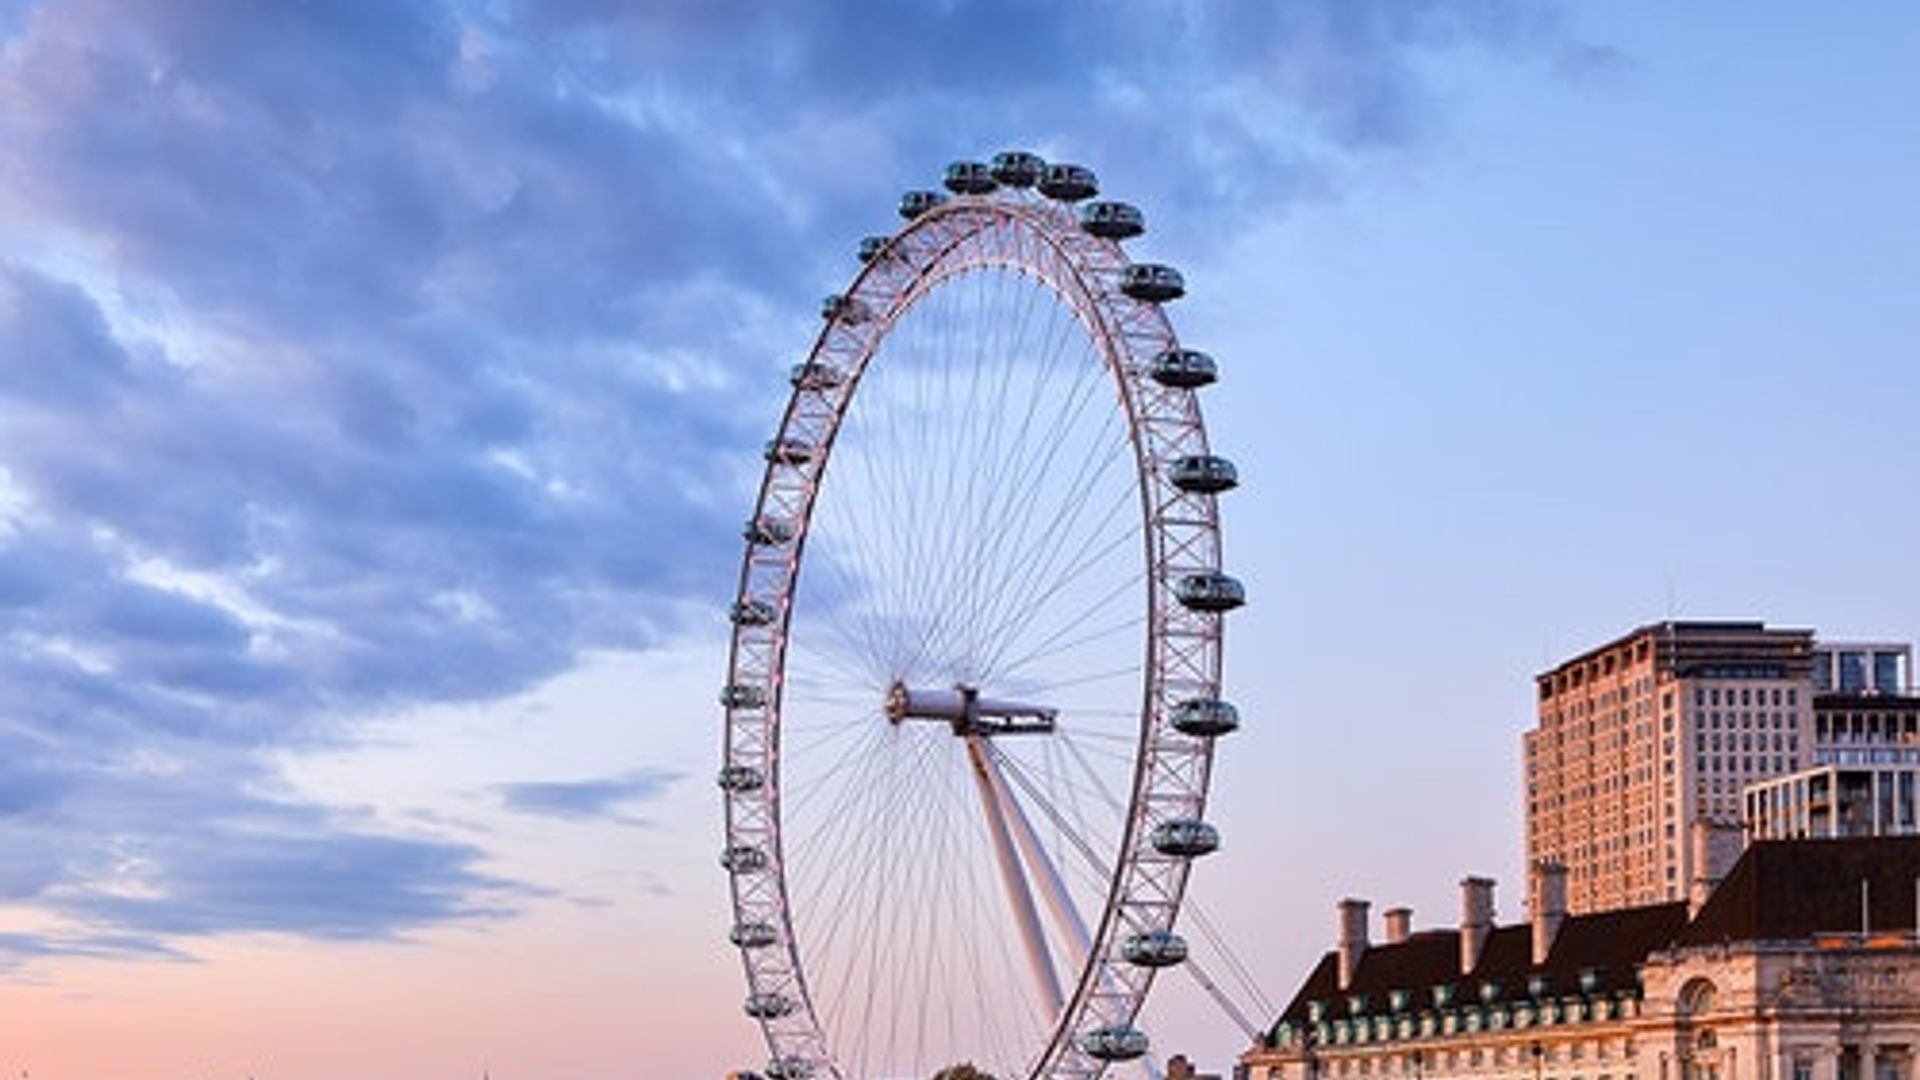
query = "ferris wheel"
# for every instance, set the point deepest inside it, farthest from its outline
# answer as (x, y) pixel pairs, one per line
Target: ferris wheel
(974, 685)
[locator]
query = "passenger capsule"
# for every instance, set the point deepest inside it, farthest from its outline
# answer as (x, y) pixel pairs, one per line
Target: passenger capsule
(816, 375)
(1212, 591)
(1152, 282)
(741, 778)
(753, 935)
(872, 246)
(768, 531)
(743, 696)
(752, 613)
(1068, 183)
(1117, 1042)
(1204, 474)
(1184, 369)
(791, 1067)
(743, 859)
(1112, 220)
(1185, 837)
(915, 203)
(1017, 168)
(789, 451)
(970, 178)
(1205, 718)
(840, 307)
(1154, 949)
(768, 1006)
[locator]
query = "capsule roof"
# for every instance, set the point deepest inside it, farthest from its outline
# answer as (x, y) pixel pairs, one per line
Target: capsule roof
(1017, 168)
(970, 178)
(1112, 220)
(1068, 183)
(915, 203)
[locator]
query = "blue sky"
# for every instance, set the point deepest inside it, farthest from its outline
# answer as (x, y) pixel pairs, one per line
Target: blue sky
(380, 388)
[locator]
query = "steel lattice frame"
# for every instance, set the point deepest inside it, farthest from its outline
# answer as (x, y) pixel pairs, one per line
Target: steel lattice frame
(1016, 229)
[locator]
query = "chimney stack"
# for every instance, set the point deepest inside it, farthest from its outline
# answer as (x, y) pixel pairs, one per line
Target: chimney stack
(1353, 938)
(1713, 846)
(1547, 905)
(1476, 919)
(1399, 924)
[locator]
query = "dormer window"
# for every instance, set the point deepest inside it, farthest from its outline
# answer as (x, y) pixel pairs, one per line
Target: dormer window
(1489, 991)
(1316, 1011)
(1443, 995)
(1589, 980)
(1357, 1005)
(1537, 986)
(1397, 1000)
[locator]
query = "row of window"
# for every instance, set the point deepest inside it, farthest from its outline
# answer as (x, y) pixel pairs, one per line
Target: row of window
(1711, 695)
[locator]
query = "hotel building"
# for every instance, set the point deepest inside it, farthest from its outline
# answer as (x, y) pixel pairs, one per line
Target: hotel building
(1640, 738)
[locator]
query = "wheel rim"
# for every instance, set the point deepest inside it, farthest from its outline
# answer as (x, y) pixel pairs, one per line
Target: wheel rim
(932, 574)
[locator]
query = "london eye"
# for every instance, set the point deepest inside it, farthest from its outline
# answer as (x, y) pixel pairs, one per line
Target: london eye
(974, 688)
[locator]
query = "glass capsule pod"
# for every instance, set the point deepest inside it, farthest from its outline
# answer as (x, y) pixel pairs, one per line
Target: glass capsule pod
(1017, 168)
(743, 696)
(1205, 717)
(970, 178)
(1206, 474)
(1153, 283)
(768, 531)
(1154, 949)
(1068, 183)
(872, 246)
(768, 1006)
(915, 203)
(1116, 1042)
(843, 308)
(741, 778)
(1210, 591)
(1184, 837)
(789, 451)
(752, 612)
(1112, 220)
(1184, 369)
(791, 1067)
(753, 935)
(816, 375)
(743, 859)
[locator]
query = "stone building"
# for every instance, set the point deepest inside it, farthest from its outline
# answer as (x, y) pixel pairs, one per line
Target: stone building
(1802, 965)
(1638, 739)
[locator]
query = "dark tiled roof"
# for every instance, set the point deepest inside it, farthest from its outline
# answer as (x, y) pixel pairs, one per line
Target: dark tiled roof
(1780, 890)
(1610, 944)
(1787, 890)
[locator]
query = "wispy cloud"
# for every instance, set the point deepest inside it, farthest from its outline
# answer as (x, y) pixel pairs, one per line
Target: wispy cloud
(358, 355)
(594, 798)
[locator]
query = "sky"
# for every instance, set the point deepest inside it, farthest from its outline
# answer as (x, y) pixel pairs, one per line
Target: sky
(381, 387)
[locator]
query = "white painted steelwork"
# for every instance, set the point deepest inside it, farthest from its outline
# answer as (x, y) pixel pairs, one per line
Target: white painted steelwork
(1010, 236)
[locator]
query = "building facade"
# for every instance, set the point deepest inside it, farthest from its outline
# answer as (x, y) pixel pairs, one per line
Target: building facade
(1803, 965)
(1639, 739)
(1863, 667)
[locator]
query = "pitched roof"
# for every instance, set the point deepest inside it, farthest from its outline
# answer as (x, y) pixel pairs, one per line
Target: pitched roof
(1790, 890)
(1780, 890)
(1609, 944)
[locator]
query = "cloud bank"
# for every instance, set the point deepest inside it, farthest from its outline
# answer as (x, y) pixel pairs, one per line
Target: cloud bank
(358, 355)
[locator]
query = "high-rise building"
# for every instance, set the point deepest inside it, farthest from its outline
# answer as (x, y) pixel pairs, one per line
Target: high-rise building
(1640, 738)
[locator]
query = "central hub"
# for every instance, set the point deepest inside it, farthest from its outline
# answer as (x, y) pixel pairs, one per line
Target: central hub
(962, 707)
